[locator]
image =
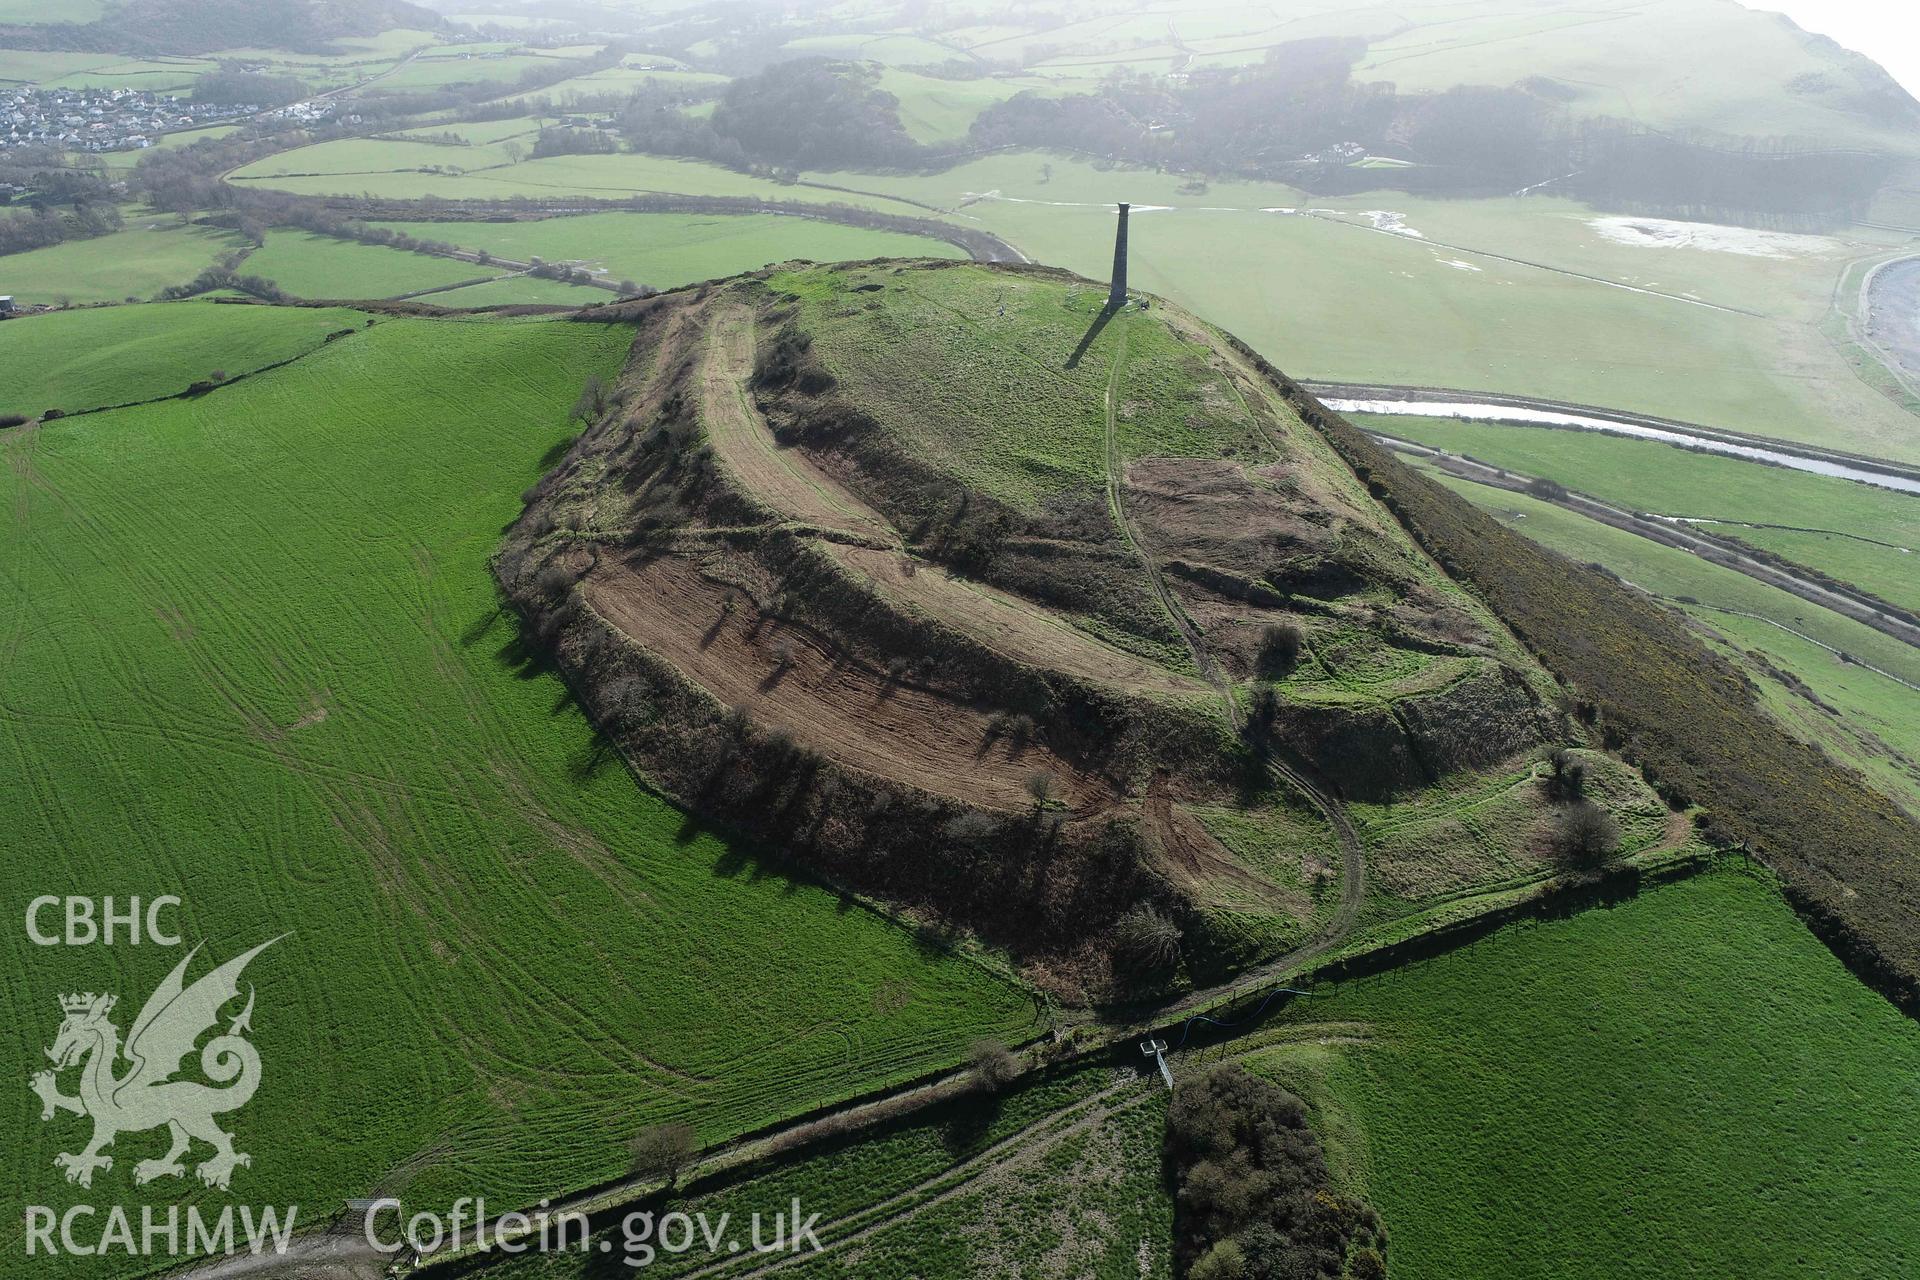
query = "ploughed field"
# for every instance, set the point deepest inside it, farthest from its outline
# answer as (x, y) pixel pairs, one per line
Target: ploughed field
(1035, 619)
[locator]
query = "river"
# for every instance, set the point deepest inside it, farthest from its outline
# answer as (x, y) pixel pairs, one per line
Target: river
(1581, 422)
(1893, 315)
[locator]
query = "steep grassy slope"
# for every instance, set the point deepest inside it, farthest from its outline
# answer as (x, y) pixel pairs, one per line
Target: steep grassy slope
(1692, 722)
(73, 360)
(253, 657)
(1855, 707)
(941, 558)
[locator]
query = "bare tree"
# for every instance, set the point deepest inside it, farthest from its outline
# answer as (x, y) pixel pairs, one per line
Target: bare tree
(1585, 835)
(994, 1065)
(662, 1151)
(593, 400)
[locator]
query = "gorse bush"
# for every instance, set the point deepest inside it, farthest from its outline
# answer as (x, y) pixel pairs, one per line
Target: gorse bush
(1566, 775)
(1146, 943)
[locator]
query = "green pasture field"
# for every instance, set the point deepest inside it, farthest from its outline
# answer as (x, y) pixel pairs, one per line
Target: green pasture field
(894, 49)
(255, 658)
(175, 76)
(396, 43)
(520, 289)
(1331, 297)
(32, 66)
(152, 252)
(98, 356)
(313, 266)
(621, 82)
(438, 72)
(1854, 532)
(1685, 1084)
(669, 249)
(1861, 717)
(1565, 318)
(1639, 63)
(354, 159)
(393, 170)
(356, 60)
(480, 132)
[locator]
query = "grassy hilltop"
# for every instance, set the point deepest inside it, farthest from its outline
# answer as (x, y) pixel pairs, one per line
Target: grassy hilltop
(943, 558)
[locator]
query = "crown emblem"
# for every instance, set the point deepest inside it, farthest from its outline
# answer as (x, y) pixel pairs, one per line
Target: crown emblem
(83, 1001)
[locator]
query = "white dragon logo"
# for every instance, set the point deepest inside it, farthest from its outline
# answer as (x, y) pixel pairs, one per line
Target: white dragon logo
(147, 1096)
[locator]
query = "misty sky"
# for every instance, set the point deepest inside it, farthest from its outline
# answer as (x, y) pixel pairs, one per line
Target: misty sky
(1888, 31)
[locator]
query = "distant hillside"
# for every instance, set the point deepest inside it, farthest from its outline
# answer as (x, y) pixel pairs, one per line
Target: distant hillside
(201, 26)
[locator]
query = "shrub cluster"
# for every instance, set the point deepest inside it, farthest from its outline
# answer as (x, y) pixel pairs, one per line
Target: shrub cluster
(1252, 1199)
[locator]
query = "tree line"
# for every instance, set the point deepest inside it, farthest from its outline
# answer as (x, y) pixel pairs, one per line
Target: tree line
(1299, 117)
(61, 202)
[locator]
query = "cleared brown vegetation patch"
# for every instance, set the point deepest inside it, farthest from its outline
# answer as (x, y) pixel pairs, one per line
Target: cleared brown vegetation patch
(791, 678)
(1215, 512)
(1004, 622)
(791, 608)
(782, 478)
(1194, 859)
